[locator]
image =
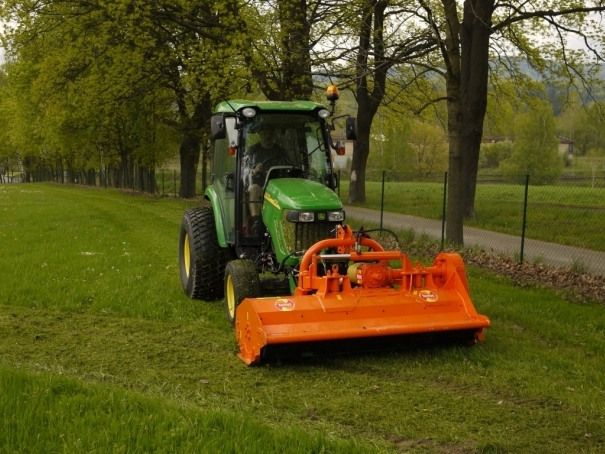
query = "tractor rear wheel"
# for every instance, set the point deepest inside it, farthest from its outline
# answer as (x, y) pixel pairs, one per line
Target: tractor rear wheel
(241, 281)
(202, 260)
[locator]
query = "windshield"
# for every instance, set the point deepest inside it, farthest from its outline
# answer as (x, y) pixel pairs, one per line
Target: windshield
(286, 139)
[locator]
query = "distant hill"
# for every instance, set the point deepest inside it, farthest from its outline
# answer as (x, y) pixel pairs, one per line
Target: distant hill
(557, 93)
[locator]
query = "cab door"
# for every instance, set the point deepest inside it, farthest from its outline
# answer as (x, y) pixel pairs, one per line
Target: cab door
(223, 177)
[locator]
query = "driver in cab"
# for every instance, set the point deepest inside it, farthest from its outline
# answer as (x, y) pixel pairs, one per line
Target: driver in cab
(259, 159)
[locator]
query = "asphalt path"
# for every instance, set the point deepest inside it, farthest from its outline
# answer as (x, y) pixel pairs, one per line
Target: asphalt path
(550, 253)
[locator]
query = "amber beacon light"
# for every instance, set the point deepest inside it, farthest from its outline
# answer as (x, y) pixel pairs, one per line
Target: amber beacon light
(332, 93)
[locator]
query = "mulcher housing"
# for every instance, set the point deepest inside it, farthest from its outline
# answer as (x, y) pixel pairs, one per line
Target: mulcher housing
(306, 284)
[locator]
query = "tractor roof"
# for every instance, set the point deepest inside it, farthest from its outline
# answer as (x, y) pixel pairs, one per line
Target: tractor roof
(267, 106)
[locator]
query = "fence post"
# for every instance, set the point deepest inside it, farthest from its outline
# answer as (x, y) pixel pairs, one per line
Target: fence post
(382, 199)
(524, 218)
(443, 210)
(339, 183)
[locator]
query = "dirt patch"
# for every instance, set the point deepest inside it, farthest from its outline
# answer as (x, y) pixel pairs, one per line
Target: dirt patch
(573, 286)
(428, 445)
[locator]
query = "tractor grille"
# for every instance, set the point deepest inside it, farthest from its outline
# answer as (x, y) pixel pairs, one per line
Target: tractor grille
(305, 234)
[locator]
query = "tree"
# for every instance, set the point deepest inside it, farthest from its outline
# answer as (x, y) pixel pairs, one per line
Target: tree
(535, 151)
(389, 144)
(8, 153)
(464, 42)
(281, 61)
(429, 149)
(382, 44)
(492, 154)
(180, 47)
(94, 120)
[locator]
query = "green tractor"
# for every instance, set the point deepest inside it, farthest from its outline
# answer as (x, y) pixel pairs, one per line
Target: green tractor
(269, 201)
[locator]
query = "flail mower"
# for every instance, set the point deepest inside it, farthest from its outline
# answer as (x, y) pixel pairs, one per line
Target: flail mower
(295, 279)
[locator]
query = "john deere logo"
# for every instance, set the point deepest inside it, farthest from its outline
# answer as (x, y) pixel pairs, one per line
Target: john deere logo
(321, 216)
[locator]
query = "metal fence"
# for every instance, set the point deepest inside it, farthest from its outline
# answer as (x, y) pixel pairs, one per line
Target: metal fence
(562, 224)
(13, 177)
(162, 182)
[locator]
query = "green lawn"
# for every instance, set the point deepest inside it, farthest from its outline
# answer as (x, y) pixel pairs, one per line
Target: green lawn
(100, 351)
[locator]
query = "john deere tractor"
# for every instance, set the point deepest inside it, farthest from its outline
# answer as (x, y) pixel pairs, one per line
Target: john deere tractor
(225, 250)
(296, 280)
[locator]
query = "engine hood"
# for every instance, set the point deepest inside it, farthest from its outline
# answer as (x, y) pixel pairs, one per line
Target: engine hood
(299, 194)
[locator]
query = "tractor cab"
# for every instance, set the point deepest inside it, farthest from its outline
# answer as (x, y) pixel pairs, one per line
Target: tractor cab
(271, 169)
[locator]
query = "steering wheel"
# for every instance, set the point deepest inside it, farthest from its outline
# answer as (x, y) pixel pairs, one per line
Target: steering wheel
(273, 158)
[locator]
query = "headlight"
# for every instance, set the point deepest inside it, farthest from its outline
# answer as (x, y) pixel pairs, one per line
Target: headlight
(306, 216)
(249, 112)
(336, 216)
(323, 113)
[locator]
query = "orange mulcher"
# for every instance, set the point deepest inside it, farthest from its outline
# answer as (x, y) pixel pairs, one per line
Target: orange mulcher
(372, 306)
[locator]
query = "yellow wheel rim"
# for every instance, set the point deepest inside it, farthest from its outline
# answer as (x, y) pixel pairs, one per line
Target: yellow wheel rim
(230, 297)
(187, 254)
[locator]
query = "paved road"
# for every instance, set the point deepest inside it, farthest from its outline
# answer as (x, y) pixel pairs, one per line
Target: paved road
(553, 254)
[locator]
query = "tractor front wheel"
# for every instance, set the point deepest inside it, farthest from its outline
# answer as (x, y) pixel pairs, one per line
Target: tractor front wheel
(241, 281)
(202, 259)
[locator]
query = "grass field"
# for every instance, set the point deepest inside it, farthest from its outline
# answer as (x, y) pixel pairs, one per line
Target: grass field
(573, 216)
(100, 351)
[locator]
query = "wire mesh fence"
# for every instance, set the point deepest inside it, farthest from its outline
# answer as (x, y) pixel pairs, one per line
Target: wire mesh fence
(10, 177)
(560, 224)
(160, 181)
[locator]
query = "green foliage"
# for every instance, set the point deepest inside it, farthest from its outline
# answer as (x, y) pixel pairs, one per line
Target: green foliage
(536, 148)
(389, 143)
(117, 86)
(429, 148)
(506, 97)
(415, 147)
(492, 154)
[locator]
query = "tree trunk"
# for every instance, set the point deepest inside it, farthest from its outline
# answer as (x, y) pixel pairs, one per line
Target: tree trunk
(195, 129)
(475, 34)
(371, 36)
(190, 156)
(92, 177)
(293, 79)
(125, 171)
(296, 62)
(361, 151)
(450, 50)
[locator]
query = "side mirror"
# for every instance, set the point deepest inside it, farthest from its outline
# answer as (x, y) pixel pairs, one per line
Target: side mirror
(217, 127)
(332, 180)
(351, 128)
(229, 180)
